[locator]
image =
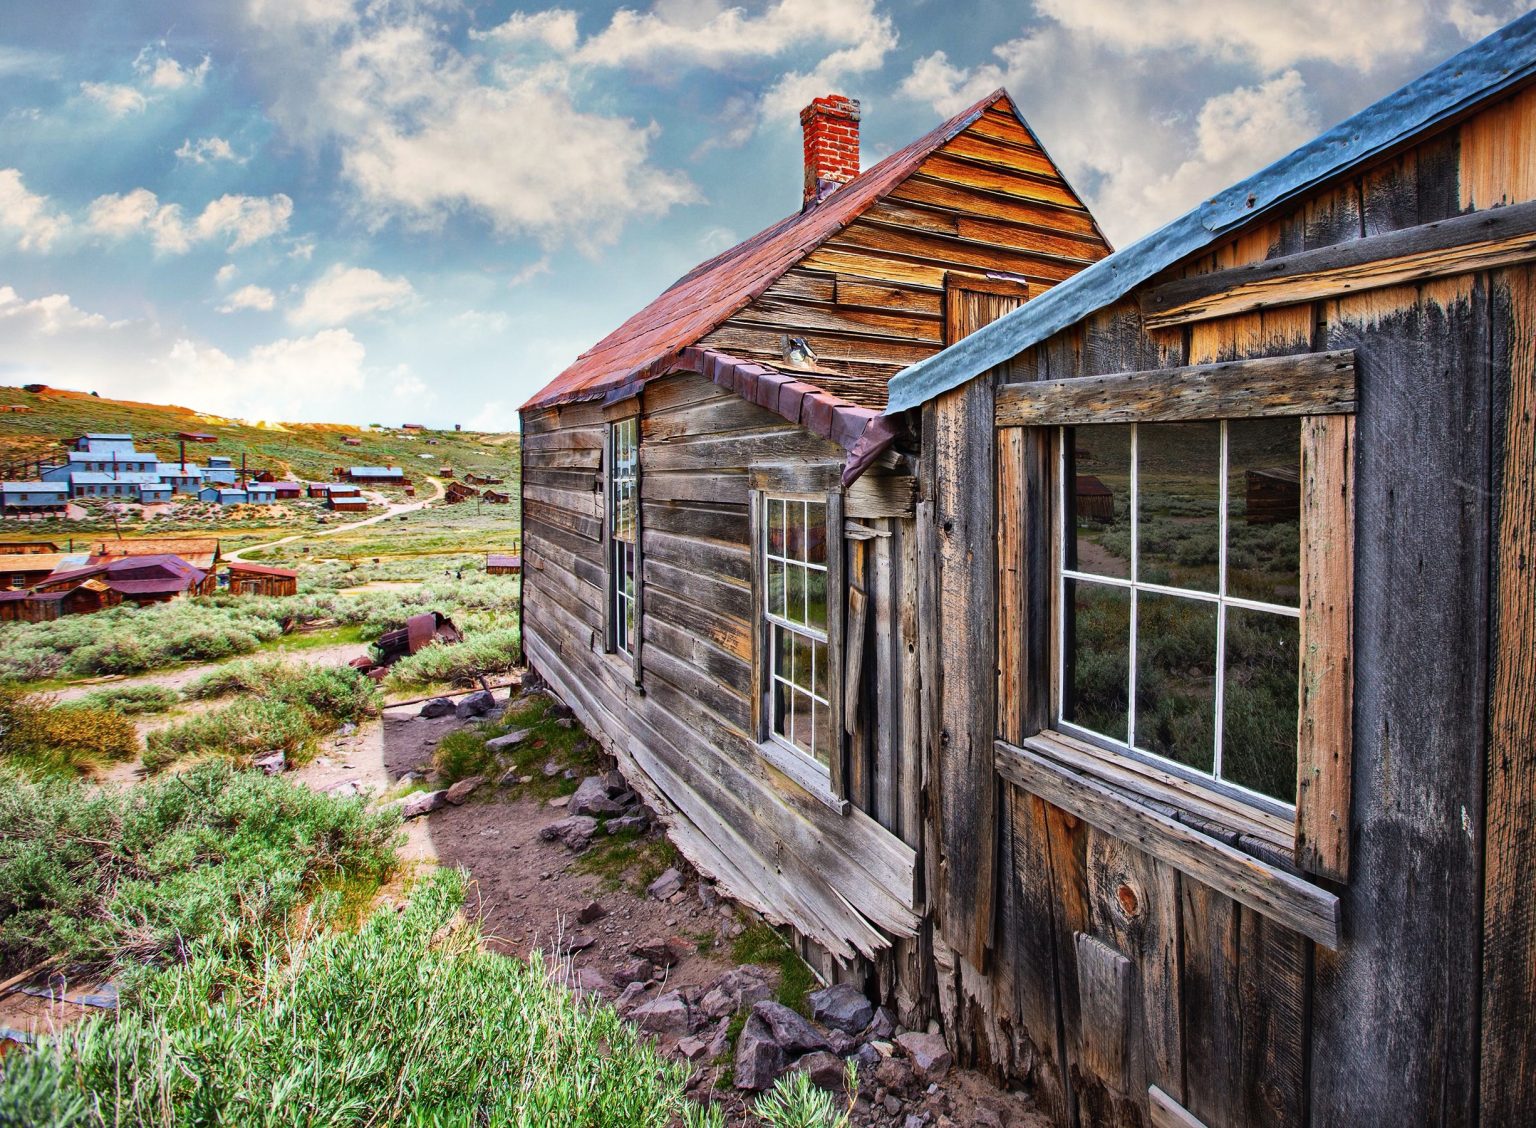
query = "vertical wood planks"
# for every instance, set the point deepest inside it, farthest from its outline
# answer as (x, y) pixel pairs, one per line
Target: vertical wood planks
(756, 520)
(1395, 1010)
(1105, 1008)
(1326, 724)
(1509, 919)
(965, 779)
(1012, 638)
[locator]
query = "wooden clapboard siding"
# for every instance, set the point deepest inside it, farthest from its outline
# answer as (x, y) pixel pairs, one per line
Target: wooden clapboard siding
(845, 882)
(869, 300)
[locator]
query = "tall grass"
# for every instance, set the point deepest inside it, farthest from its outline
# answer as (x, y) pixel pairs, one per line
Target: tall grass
(40, 739)
(407, 1021)
(99, 875)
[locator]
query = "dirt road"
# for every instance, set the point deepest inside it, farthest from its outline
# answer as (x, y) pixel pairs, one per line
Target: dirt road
(391, 509)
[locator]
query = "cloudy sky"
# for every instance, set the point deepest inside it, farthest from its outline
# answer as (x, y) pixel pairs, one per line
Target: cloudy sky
(375, 210)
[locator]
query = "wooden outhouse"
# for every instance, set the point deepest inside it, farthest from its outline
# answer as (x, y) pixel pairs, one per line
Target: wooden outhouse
(1232, 799)
(721, 547)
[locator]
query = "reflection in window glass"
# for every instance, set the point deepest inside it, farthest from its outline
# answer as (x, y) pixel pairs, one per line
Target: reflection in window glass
(1260, 704)
(1264, 509)
(795, 607)
(1178, 504)
(1176, 678)
(1180, 569)
(1097, 679)
(1099, 466)
(623, 523)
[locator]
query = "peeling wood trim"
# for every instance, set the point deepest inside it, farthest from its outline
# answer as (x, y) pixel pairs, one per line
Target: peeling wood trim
(1302, 384)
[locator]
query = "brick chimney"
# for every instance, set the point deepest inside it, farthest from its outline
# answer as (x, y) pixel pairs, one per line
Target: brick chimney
(831, 129)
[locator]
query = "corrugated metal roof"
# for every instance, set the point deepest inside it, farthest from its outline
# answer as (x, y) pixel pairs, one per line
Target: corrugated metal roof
(713, 291)
(34, 487)
(1496, 64)
(374, 471)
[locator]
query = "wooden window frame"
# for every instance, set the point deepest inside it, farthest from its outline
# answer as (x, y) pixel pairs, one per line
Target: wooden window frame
(827, 783)
(613, 641)
(1248, 851)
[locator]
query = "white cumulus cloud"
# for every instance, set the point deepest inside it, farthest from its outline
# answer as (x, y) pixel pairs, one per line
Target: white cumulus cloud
(207, 150)
(240, 221)
(343, 293)
(248, 297)
(117, 99)
(30, 216)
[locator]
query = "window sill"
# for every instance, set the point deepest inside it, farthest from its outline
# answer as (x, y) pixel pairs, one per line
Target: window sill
(1054, 768)
(808, 775)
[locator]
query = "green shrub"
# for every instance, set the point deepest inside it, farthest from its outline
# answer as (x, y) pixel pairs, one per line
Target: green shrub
(796, 1102)
(402, 1022)
(489, 653)
(129, 700)
(97, 874)
(37, 737)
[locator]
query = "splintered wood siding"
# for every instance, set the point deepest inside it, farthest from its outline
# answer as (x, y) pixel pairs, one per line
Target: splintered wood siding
(685, 734)
(870, 300)
(1124, 983)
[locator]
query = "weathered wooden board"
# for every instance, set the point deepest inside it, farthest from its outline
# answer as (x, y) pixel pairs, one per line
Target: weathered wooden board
(1509, 918)
(1460, 245)
(1305, 384)
(1413, 901)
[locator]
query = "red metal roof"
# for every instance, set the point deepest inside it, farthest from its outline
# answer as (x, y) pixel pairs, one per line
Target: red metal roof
(263, 570)
(713, 291)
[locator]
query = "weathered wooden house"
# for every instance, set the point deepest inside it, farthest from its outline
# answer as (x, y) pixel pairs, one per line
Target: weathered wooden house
(720, 555)
(1231, 819)
(261, 579)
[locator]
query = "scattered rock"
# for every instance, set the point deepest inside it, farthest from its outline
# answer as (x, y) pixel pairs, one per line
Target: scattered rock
(551, 769)
(985, 1117)
(841, 1044)
(273, 763)
(720, 1041)
(614, 781)
(867, 1056)
(560, 801)
(591, 911)
(894, 1073)
(825, 1070)
(708, 897)
(463, 789)
(346, 789)
(630, 996)
(510, 740)
(638, 970)
(667, 884)
(692, 1048)
(930, 1056)
(915, 1120)
(423, 803)
(591, 798)
(347, 729)
(658, 951)
(569, 773)
(841, 1006)
(666, 1014)
(509, 778)
(477, 704)
(883, 1026)
(639, 823)
(574, 831)
(793, 1034)
(759, 1057)
(566, 722)
(437, 707)
(737, 989)
(590, 980)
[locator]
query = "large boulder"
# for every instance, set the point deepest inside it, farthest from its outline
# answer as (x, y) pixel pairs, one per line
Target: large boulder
(591, 798)
(437, 707)
(462, 790)
(759, 1057)
(929, 1055)
(666, 1014)
(477, 704)
(841, 1007)
(669, 883)
(825, 1070)
(793, 1034)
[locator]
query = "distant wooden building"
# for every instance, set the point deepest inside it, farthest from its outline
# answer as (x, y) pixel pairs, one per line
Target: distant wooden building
(40, 607)
(1230, 818)
(372, 475)
(348, 503)
(203, 553)
(261, 579)
(721, 550)
(503, 564)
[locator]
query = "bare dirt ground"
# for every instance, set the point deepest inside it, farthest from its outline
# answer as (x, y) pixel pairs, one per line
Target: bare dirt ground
(338, 655)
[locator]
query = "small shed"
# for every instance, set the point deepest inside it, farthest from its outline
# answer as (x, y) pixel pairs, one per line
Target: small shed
(458, 492)
(286, 491)
(374, 475)
(261, 579)
(1095, 500)
(348, 503)
(33, 497)
(261, 493)
(503, 564)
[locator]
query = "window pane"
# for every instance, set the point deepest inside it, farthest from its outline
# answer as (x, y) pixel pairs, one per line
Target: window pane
(1264, 510)
(776, 527)
(782, 716)
(1097, 679)
(1176, 679)
(1099, 502)
(819, 678)
(1178, 467)
(775, 587)
(816, 599)
(816, 533)
(1259, 722)
(785, 653)
(796, 581)
(825, 736)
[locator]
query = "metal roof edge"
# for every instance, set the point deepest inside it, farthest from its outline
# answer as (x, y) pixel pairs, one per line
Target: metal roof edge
(1493, 64)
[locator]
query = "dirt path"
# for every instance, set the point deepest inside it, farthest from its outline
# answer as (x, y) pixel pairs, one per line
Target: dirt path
(336, 655)
(391, 509)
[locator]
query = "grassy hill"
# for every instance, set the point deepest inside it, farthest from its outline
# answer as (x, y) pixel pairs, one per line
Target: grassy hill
(304, 450)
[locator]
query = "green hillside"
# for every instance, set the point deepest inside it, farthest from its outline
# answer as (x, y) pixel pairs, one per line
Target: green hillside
(303, 450)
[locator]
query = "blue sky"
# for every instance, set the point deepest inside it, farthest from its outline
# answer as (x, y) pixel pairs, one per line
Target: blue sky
(380, 210)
